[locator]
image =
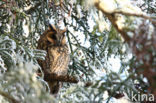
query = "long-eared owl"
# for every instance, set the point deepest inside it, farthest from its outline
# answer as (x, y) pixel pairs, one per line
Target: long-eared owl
(53, 41)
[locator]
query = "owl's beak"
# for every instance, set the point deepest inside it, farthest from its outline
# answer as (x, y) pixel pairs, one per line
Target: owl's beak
(59, 39)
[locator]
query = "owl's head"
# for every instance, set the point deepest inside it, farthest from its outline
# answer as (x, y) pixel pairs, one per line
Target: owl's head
(56, 36)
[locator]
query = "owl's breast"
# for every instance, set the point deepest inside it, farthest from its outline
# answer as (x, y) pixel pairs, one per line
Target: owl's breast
(59, 59)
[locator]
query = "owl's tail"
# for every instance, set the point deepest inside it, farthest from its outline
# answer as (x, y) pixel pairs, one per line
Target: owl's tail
(54, 87)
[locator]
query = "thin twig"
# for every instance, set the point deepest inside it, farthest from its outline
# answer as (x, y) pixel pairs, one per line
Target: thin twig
(32, 9)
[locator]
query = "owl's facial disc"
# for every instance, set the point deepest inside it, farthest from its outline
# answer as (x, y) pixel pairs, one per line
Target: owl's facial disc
(59, 38)
(56, 36)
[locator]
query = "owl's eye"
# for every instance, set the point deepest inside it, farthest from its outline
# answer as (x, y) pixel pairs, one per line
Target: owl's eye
(53, 37)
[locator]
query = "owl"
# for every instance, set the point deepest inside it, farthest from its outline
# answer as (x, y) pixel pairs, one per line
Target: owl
(53, 41)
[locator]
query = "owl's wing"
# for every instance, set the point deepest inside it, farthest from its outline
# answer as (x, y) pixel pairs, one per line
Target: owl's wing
(42, 42)
(43, 45)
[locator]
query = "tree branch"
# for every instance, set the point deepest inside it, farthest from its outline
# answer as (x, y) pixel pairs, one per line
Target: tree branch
(137, 15)
(9, 97)
(54, 77)
(111, 17)
(140, 38)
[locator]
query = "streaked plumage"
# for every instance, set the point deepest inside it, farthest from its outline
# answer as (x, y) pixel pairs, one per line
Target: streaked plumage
(57, 58)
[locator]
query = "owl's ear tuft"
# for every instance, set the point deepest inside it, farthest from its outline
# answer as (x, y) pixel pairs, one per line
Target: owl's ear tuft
(52, 27)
